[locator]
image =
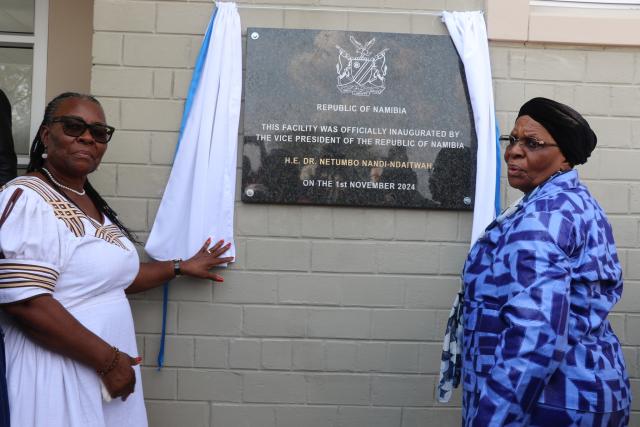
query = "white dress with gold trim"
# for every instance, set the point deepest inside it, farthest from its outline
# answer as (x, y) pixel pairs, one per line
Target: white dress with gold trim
(49, 246)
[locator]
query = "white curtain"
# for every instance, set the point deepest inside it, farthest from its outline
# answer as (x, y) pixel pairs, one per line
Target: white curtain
(468, 31)
(199, 198)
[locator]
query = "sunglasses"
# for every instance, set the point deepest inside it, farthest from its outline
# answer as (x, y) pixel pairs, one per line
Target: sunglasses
(75, 126)
(529, 143)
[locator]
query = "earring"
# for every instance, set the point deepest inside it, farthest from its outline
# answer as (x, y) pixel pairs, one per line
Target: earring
(44, 155)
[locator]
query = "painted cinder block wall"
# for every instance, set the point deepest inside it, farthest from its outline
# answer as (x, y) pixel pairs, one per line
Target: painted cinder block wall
(332, 316)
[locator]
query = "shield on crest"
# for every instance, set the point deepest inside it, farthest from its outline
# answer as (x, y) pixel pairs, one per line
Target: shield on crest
(364, 74)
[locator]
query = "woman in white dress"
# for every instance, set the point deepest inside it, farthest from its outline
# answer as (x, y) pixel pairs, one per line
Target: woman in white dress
(66, 263)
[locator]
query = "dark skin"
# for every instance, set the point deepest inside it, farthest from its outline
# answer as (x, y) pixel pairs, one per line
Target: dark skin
(43, 318)
(527, 169)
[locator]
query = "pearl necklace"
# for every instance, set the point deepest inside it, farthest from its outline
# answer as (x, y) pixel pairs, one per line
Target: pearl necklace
(79, 193)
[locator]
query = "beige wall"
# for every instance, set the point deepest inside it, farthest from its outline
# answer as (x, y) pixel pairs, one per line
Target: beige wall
(519, 20)
(69, 47)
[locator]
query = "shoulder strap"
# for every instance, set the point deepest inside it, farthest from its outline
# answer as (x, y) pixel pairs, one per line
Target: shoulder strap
(7, 210)
(12, 202)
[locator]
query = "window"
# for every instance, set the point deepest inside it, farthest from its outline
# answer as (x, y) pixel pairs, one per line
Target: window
(23, 63)
(17, 16)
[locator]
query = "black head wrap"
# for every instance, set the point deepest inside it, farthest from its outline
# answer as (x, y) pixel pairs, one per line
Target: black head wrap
(571, 131)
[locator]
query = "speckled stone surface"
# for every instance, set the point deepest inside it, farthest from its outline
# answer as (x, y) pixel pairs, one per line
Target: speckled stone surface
(358, 119)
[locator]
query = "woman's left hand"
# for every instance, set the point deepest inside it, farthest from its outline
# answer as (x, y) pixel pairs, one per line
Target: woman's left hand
(205, 259)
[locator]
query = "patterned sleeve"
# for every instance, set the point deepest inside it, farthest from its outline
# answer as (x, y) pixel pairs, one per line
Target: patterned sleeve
(31, 248)
(535, 340)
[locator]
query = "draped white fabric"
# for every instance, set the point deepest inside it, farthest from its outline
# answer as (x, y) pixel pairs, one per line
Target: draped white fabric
(468, 32)
(198, 201)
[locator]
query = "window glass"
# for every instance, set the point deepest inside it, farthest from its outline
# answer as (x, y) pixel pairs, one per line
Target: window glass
(17, 16)
(16, 66)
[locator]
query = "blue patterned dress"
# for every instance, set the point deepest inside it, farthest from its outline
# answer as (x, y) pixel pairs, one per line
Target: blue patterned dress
(538, 348)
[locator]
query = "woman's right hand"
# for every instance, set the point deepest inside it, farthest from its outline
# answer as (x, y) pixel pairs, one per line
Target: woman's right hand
(121, 380)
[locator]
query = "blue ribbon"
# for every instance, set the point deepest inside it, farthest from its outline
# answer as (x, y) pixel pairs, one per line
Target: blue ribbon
(195, 77)
(193, 87)
(165, 302)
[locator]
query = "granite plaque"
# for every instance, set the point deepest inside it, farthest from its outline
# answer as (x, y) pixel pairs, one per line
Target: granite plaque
(356, 118)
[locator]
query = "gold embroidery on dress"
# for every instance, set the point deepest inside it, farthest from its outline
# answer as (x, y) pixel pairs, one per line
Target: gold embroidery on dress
(62, 209)
(111, 233)
(70, 214)
(17, 275)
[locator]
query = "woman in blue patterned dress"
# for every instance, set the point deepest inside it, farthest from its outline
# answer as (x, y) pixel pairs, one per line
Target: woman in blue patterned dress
(538, 348)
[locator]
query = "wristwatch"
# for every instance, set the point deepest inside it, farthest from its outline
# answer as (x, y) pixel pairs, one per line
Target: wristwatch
(176, 267)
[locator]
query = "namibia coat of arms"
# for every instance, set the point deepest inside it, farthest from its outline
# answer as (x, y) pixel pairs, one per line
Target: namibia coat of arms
(364, 74)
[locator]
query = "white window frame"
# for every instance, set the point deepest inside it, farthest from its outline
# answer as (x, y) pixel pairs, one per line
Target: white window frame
(38, 42)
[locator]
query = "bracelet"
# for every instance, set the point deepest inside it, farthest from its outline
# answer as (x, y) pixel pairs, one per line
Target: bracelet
(176, 267)
(114, 362)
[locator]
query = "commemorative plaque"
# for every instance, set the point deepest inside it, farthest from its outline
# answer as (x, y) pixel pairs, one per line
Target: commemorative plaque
(358, 119)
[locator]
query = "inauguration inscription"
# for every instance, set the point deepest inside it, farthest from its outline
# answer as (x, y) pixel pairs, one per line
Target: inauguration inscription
(354, 118)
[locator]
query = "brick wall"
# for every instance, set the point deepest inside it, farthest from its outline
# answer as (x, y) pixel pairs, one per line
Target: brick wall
(331, 316)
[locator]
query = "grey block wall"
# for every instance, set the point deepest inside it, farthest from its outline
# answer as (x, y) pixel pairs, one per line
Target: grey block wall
(332, 316)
